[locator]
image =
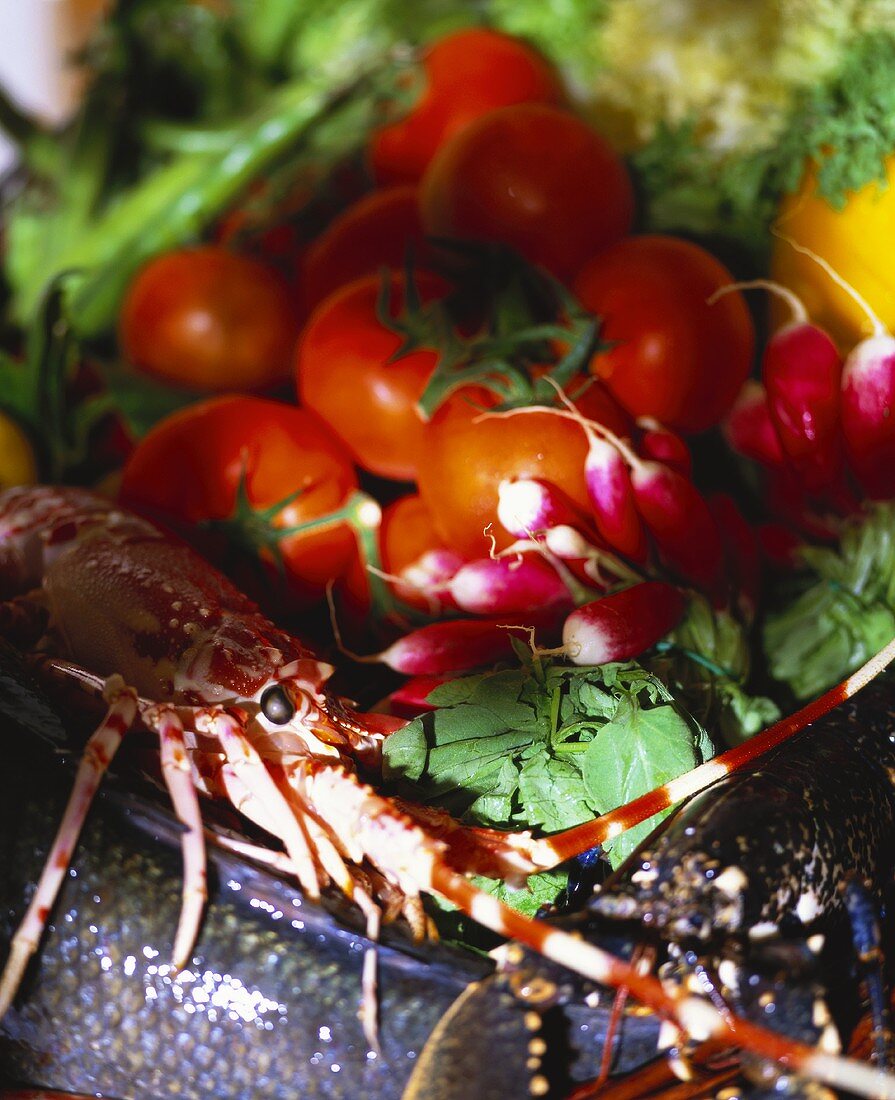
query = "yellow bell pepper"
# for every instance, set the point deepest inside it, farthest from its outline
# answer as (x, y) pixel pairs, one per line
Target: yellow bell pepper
(858, 241)
(18, 465)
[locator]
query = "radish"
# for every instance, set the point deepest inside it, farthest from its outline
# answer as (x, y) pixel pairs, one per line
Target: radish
(412, 697)
(672, 509)
(612, 499)
(749, 429)
(456, 645)
(430, 575)
(609, 486)
(621, 626)
(678, 518)
(868, 396)
(779, 546)
(664, 445)
(528, 507)
(503, 585)
(802, 374)
(741, 552)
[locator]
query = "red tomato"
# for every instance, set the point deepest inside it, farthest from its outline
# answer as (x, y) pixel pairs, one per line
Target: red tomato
(375, 232)
(535, 178)
(469, 453)
(344, 373)
(207, 319)
(467, 74)
(187, 469)
(675, 357)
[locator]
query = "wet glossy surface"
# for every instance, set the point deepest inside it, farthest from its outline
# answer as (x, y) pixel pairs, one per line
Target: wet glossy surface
(269, 1007)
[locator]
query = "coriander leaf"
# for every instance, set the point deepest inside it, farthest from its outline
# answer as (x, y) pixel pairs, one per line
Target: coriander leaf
(638, 750)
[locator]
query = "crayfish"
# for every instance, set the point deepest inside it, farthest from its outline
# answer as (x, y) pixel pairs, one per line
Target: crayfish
(105, 600)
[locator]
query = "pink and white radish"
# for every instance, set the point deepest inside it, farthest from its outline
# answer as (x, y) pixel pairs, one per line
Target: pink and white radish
(527, 507)
(622, 625)
(456, 645)
(507, 584)
(868, 396)
(802, 374)
(664, 445)
(749, 429)
(612, 499)
(741, 553)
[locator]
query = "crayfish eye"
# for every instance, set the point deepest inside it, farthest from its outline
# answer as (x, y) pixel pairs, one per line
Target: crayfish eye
(276, 706)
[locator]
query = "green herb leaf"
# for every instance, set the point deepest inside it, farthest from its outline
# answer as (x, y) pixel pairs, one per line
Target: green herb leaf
(540, 890)
(844, 611)
(638, 750)
(547, 745)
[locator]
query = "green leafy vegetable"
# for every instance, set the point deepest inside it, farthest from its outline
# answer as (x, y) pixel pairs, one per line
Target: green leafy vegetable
(547, 745)
(844, 610)
(846, 124)
(706, 665)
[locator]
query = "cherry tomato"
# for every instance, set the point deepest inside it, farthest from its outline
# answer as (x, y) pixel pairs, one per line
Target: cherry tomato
(469, 453)
(375, 232)
(467, 74)
(186, 472)
(535, 178)
(207, 319)
(345, 374)
(675, 357)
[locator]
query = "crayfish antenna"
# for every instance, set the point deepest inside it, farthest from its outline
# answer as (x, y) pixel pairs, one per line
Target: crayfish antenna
(98, 753)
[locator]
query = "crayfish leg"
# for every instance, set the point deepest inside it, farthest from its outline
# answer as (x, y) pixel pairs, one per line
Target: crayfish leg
(178, 778)
(260, 787)
(98, 753)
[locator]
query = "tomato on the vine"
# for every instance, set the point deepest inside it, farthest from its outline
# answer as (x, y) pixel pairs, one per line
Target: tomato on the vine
(674, 356)
(377, 231)
(466, 74)
(222, 467)
(208, 319)
(346, 373)
(470, 452)
(535, 178)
